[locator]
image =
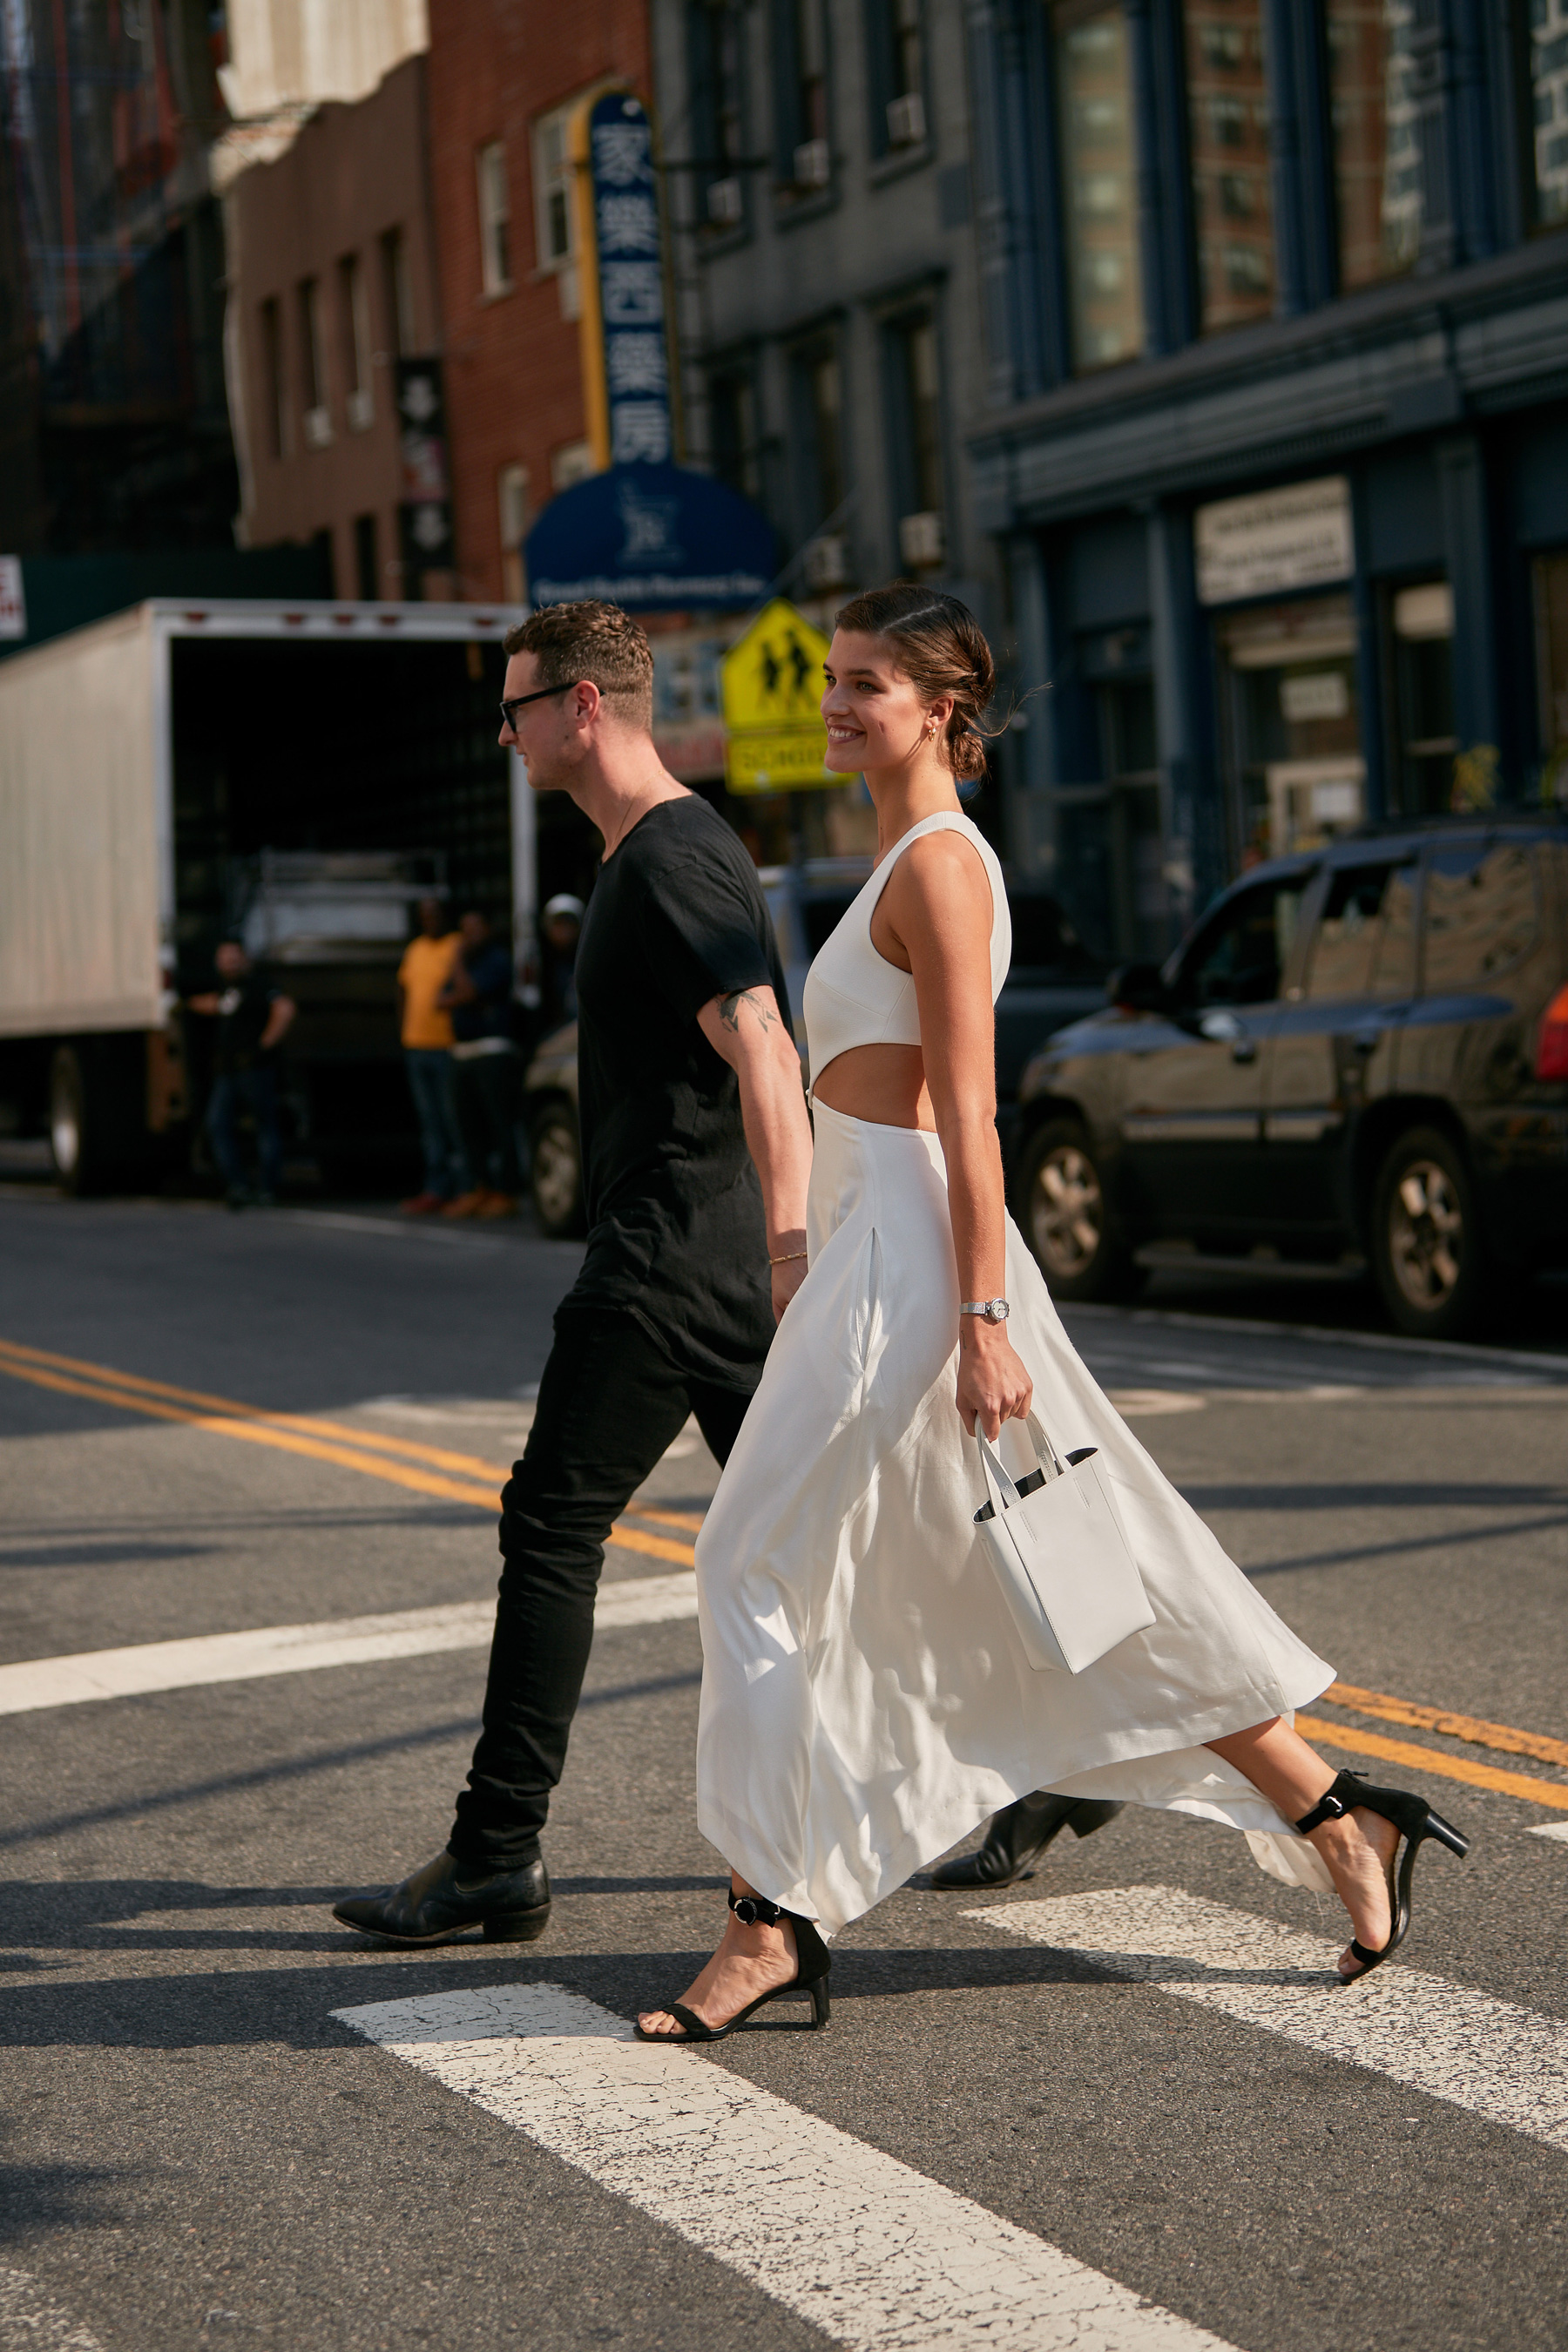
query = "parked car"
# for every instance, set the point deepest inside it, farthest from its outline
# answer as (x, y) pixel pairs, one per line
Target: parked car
(1054, 979)
(1359, 1050)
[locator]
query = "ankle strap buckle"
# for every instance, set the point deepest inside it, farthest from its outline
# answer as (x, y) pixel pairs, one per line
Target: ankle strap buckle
(755, 1910)
(1327, 1809)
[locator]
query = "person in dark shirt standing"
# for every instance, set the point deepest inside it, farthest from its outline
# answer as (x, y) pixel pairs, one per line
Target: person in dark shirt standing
(479, 997)
(696, 1151)
(252, 1019)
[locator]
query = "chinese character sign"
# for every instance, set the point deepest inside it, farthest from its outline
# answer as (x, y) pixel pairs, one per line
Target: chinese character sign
(628, 253)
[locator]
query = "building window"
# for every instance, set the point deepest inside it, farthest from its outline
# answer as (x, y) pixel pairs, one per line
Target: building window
(800, 36)
(397, 294)
(367, 567)
(277, 386)
(1421, 648)
(554, 229)
(354, 319)
(1376, 118)
(511, 503)
(717, 109)
(495, 219)
(572, 461)
(313, 391)
(1551, 671)
(895, 34)
(819, 407)
(1227, 116)
(734, 452)
(915, 440)
(1545, 78)
(1094, 102)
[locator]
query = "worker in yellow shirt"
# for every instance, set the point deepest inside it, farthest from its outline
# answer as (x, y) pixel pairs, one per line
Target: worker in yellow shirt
(427, 1031)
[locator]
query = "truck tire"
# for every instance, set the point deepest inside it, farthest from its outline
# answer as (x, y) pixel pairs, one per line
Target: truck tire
(1067, 1222)
(1426, 1251)
(555, 1174)
(98, 1119)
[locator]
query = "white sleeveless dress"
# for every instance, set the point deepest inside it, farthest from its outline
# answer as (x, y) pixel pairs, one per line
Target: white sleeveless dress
(865, 1700)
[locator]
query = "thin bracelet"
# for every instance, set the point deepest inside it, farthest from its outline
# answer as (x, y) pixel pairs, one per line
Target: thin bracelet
(788, 1258)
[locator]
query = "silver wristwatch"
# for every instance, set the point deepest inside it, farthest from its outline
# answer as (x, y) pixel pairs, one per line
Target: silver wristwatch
(994, 1310)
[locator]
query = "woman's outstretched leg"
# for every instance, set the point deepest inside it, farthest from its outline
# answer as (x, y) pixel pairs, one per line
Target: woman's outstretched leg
(1358, 1847)
(751, 1960)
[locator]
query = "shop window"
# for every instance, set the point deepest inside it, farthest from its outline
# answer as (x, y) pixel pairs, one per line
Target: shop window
(512, 516)
(1094, 104)
(367, 567)
(1292, 726)
(1551, 671)
(397, 294)
(800, 44)
(1233, 203)
(277, 386)
(1481, 913)
(1545, 77)
(735, 448)
(896, 42)
(495, 218)
(1384, 99)
(914, 390)
(716, 108)
(1421, 642)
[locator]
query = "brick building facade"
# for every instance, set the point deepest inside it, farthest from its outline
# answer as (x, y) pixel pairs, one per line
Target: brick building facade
(332, 281)
(503, 83)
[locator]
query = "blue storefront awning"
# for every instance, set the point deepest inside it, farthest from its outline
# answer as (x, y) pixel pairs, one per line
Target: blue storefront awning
(654, 538)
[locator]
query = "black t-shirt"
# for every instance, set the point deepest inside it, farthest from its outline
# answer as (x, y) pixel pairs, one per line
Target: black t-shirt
(244, 1007)
(675, 1211)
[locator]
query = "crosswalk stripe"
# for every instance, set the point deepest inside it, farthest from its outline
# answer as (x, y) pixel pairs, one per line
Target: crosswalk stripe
(263, 1650)
(858, 2244)
(1505, 2064)
(31, 2321)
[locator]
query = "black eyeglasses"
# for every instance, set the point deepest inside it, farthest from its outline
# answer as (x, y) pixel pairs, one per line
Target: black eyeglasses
(508, 709)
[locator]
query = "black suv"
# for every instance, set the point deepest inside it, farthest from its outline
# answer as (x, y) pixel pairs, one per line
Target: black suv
(1363, 1049)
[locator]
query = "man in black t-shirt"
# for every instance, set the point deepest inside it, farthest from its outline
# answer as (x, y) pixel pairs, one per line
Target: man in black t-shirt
(696, 1151)
(252, 1019)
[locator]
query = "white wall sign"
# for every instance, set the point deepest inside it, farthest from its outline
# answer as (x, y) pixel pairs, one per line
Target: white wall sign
(12, 603)
(1294, 538)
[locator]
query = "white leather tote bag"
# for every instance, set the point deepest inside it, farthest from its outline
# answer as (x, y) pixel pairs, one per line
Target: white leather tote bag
(1061, 1557)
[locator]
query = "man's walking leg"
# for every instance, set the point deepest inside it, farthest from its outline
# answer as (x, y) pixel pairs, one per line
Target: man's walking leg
(610, 1404)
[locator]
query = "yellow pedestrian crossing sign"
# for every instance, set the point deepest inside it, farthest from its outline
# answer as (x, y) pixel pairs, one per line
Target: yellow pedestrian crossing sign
(773, 685)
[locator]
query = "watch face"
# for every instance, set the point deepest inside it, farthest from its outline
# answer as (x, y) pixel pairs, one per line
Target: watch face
(997, 1310)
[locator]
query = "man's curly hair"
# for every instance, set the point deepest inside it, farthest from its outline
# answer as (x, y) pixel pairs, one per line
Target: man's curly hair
(594, 640)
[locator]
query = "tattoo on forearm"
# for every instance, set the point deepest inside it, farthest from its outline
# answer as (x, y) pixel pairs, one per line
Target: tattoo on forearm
(730, 1009)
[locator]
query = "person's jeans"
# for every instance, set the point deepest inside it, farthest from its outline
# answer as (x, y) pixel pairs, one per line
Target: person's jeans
(489, 1095)
(255, 1091)
(610, 1404)
(434, 1097)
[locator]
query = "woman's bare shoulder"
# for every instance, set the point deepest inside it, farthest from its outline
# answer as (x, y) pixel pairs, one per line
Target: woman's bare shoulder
(943, 872)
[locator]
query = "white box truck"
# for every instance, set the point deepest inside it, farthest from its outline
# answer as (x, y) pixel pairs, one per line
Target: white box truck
(296, 773)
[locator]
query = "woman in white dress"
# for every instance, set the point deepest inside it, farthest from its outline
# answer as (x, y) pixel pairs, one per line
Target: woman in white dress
(866, 1702)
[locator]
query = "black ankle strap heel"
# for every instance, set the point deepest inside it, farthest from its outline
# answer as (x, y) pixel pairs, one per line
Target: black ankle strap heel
(813, 1961)
(1414, 1819)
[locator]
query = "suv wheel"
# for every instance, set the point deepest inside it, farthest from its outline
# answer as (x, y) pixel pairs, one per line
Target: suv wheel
(555, 1174)
(1067, 1220)
(1425, 1248)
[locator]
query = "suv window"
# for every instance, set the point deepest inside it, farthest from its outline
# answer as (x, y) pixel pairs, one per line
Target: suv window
(1365, 944)
(1481, 913)
(1239, 956)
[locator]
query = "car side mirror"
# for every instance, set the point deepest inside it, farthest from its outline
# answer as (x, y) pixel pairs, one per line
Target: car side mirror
(1139, 988)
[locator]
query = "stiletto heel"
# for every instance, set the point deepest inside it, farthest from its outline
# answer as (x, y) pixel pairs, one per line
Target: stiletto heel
(812, 1962)
(1414, 1819)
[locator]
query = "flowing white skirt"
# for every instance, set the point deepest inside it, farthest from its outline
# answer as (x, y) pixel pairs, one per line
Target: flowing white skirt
(865, 1700)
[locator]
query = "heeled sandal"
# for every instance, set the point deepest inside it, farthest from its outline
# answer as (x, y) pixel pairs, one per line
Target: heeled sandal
(813, 1961)
(1414, 1819)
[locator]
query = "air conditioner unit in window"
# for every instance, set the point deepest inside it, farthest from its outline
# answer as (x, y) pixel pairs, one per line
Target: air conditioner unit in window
(725, 203)
(362, 411)
(906, 120)
(318, 427)
(813, 164)
(921, 540)
(826, 561)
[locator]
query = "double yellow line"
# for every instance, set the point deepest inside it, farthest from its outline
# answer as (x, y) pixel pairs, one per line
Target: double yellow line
(400, 1461)
(453, 1477)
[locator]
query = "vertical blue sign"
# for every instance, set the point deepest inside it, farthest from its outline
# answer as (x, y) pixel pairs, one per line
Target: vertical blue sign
(630, 259)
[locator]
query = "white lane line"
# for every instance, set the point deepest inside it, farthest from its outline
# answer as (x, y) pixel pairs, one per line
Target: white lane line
(858, 2244)
(1507, 2064)
(34, 1683)
(30, 2321)
(1558, 1829)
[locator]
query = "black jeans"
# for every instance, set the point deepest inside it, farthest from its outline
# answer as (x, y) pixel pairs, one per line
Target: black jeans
(489, 1102)
(610, 1403)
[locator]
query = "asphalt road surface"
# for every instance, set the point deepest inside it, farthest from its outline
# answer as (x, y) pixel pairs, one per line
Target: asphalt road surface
(247, 1546)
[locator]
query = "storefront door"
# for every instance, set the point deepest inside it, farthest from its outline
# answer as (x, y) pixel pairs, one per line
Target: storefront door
(1297, 771)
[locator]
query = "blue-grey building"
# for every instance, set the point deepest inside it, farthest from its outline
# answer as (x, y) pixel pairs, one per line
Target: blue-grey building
(1275, 317)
